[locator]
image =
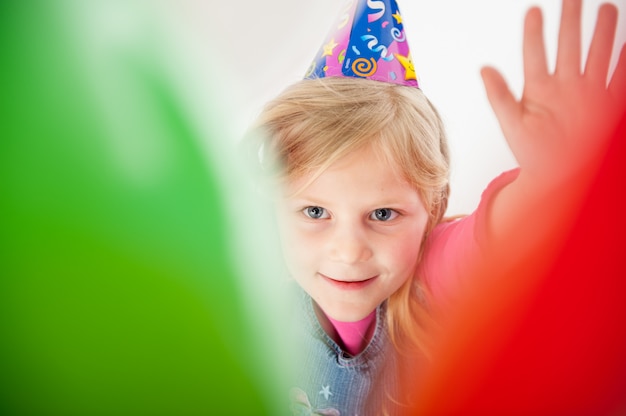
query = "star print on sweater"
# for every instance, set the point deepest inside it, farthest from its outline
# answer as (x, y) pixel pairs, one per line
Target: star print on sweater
(326, 392)
(301, 406)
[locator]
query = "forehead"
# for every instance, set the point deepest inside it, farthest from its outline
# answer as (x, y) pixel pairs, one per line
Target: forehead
(365, 174)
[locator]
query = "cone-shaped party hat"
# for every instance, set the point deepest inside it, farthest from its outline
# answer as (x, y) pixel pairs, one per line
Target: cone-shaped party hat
(367, 41)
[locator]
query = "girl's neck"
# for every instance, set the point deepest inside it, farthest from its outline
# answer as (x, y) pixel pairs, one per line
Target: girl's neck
(353, 337)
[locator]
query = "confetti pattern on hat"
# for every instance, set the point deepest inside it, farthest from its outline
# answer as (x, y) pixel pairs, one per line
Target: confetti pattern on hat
(367, 41)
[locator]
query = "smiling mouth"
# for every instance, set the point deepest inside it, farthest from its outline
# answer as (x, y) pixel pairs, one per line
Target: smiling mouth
(348, 284)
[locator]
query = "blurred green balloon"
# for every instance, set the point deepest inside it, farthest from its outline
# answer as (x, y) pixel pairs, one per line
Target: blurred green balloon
(118, 290)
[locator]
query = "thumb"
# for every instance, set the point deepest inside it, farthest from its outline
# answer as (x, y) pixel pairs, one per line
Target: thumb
(502, 101)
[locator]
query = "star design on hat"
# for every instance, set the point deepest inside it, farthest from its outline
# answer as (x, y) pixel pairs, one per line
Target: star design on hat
(407, 63)
(398, 18)
(326, 392)
(328, 48)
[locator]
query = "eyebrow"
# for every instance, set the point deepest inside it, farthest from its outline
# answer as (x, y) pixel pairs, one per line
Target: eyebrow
(401, 200)
(306, 200)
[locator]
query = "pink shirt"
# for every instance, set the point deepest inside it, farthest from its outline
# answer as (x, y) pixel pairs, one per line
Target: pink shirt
(455, 246)
(354, 335)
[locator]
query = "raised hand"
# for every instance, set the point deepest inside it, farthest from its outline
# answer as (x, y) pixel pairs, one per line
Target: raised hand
(561, 126)
(559, 130)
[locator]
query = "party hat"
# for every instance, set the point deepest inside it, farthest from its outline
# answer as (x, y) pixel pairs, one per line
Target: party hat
(367, 41)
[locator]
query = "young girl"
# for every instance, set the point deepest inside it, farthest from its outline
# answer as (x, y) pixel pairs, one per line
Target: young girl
(362, 158)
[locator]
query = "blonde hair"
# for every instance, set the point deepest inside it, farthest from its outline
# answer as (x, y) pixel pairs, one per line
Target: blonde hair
(314, 123)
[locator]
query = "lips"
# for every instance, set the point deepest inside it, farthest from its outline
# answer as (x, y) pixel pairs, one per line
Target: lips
(349, 284)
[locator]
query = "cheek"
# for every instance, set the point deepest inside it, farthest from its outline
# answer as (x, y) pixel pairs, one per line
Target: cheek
(298, 248)
(406, 256)
(288, 240)
(404, 253)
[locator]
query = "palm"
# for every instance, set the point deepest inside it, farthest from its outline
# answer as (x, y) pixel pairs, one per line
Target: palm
(562, 123)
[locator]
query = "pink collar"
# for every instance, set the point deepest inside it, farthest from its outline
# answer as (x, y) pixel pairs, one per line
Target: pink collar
(355, 335)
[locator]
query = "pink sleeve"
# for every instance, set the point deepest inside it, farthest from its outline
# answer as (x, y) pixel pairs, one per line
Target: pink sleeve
(454, 246)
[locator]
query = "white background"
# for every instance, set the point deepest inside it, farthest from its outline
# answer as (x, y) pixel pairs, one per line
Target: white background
(251, 50)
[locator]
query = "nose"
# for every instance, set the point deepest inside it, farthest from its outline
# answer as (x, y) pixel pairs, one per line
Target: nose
(349, 244)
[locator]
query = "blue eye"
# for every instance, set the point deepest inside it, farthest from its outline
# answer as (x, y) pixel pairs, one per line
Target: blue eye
(315, 213)
(383, 214)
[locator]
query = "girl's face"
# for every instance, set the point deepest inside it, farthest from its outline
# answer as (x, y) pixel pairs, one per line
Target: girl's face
(352, 237)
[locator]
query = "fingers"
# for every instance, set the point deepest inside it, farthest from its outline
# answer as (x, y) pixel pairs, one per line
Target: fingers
(617, 86)
(535, 63)
(503, 103)
(568, 55)
(601, 47)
